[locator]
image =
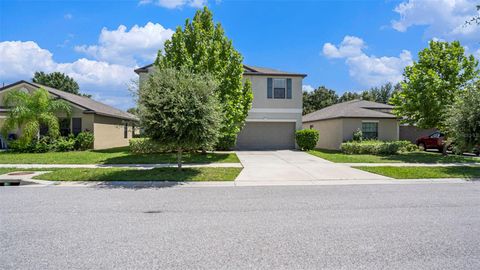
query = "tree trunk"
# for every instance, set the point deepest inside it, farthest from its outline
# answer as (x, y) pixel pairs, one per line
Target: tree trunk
(179, 159)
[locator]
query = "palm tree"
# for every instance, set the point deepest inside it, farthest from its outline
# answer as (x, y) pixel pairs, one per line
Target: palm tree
(30, 111)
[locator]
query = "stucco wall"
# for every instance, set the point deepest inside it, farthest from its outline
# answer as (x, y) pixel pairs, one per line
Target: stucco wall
(108, 132)
(330, 133)
(387, 128)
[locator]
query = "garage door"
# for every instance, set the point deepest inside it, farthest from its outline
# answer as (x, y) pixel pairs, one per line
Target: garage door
(266, 135)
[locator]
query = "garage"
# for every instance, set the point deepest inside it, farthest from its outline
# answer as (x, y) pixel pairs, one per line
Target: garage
(266, 136)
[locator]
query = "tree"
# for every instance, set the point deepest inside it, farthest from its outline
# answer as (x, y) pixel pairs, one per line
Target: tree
(30, 111)
(132, 110)
(463, 122)
(431, 84)
(475, 19)
(58, 81)
(347, 96)
(318, 99)
(180, 110)
(202, 47)
(381, 94)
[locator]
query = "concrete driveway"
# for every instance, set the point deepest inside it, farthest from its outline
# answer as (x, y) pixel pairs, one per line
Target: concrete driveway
(295, 167)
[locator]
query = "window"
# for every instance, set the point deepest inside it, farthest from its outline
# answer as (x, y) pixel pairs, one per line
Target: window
(64, 126)
(370, 130)
(125, 131)
(279, 88)
(311, 126)
(133, 130)
(76, 126)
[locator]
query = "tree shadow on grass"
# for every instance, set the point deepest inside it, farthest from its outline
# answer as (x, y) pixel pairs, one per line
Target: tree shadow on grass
(157, 158)
(428, 157)
(471, 173)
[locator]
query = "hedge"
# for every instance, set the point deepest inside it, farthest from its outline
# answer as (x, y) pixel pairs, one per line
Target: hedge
(145, 146)
(375, 147)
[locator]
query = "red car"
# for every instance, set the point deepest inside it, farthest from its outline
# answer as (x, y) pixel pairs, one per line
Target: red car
(435, 140)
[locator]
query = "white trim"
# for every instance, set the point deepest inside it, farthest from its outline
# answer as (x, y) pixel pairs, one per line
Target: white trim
(271, 120)
(370, 121)
(273, 110)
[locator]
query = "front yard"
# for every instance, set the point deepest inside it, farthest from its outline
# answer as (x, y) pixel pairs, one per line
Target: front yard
(157, 174)
(412, 157)
(425, 172)
(112, 156)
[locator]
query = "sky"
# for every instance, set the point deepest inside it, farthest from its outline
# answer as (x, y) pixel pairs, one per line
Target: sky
(342, 45)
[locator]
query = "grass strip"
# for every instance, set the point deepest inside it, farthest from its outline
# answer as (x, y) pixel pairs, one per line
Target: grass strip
(466, 172)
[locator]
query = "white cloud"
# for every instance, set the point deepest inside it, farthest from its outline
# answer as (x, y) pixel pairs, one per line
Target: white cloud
(444, 19)
(68, 16)
(368, 70)
(19, 60)
(128, 47)
(171, 4)
(307, 88)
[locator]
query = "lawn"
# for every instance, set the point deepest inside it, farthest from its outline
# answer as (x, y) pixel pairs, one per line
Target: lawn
(157, 174)
(414, 157)
(424, 172)
(120, 155)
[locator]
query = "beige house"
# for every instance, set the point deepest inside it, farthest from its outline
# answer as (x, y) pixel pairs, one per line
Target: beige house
(337, 123)
(111, 127)
(276, 108)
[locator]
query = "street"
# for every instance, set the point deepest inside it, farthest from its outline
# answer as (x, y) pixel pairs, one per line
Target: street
(414, 226)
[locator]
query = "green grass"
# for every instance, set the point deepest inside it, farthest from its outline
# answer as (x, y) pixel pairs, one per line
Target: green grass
(414, 157)
(424, 172)
(112, 156)
(157, 174)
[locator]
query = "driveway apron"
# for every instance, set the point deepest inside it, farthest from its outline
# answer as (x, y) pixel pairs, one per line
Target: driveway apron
(289, 165)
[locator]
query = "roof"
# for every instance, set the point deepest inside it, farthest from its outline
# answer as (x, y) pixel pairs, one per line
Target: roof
(351, 109)
(90, 105)
(248, 70)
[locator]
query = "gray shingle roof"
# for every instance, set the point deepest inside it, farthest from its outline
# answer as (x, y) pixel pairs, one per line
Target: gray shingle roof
(351, 109)
(248, 70)
(90, 105)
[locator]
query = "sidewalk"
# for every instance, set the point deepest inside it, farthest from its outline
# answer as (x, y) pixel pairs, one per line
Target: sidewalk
(125, 166)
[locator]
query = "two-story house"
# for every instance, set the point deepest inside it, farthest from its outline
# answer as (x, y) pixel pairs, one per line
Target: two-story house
(276, 108)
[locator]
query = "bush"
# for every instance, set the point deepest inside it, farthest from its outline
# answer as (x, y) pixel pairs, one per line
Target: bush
(307, 139)
(145, 146)
(84, 141)
(226, 142)
(358, 135)
(375, 147)
(64, 144)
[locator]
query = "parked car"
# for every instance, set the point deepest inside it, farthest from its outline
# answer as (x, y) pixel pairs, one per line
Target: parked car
(476, 150)
(435, 140)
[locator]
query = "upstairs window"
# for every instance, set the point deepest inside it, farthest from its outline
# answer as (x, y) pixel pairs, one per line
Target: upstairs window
(279, 88)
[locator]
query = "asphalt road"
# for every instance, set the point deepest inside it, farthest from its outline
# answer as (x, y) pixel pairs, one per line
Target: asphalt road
(422, 226)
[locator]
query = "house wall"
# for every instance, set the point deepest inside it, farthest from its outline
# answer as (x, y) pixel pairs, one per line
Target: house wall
(387, 128)
(411, 133)
(109, 132)
(330, 133)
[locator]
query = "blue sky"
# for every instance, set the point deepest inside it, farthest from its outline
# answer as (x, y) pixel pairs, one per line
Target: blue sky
(344, 45)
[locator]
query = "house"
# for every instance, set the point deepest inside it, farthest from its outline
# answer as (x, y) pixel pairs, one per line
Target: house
(337, 123)
(276, 111)
(111, 127)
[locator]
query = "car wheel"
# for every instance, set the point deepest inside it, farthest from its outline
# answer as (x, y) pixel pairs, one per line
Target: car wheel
(422, 147)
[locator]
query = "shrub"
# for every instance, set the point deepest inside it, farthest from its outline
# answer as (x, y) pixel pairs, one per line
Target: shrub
(375, 147)
(84, 141)
(358, 135)
(145, 146)
(64, 144)
(226, 142)
(307, 138)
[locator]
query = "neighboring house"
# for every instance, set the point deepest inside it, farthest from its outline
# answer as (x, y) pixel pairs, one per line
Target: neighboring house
(337, 123)
(276, 108)
(111, 127)
(412, 133)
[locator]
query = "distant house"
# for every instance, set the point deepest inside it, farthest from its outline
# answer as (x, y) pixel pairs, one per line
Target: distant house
(111, 127)
(276, 108)
(337, 123)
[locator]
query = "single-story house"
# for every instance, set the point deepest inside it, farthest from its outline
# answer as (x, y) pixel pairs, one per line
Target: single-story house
(337, 123)
(276, 111)
(111, 127)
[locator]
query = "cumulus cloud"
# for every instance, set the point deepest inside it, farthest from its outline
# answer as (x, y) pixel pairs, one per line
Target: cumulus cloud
(368, 70)
(443, 18)
(171, 4)
(128, 47)
(19, 60)
(307, 88)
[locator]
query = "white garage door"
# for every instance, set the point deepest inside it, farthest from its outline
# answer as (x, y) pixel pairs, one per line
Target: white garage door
(266, 135)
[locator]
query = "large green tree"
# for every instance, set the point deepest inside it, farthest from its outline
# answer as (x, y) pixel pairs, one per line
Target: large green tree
(180, 110)
(463, 122)
(57, 80)
(318, 99)
(202, 47)
(431, 84)
(29, 111)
